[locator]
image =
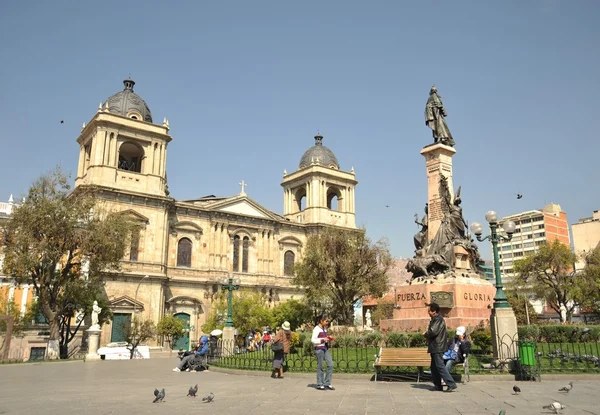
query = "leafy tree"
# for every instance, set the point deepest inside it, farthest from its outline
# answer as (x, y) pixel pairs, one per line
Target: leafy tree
(589, 281)
(383, 311)
(549, 274)
(170, 327)
(137, 332)
(250, 311)
(61, 242)
(295, 311)
(343, 266)
(518, 304)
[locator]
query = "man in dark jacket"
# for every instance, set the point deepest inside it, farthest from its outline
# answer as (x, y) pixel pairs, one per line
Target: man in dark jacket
(436, 335)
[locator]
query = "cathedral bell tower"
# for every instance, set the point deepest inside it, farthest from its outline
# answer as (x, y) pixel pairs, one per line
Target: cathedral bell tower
(319, 193)
(122, 148)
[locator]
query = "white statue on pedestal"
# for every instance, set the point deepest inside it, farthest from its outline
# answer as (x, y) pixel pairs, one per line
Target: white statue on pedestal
(563, 313)
(95, 313)
(368, 321)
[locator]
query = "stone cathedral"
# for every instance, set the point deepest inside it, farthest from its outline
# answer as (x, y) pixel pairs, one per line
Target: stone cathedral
(185, 247)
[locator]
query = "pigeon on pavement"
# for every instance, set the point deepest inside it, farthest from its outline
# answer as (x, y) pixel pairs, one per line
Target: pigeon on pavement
(192, 392)
(209, 398)
(555, 407)
(566, 388)
(159, 396)
(516, 389)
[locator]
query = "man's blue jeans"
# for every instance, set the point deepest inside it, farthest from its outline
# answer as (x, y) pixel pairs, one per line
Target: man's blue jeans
(439, 371)
(324, 355)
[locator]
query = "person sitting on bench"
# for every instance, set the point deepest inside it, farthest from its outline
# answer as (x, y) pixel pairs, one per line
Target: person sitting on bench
(458, 349)
(200, 352)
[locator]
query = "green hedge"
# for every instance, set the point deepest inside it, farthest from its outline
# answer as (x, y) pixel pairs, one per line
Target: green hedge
(559, 333)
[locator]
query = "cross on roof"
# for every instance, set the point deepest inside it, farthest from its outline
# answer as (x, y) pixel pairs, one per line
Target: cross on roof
(243, 184)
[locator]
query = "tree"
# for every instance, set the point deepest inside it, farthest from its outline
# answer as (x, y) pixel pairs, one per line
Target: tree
(518, 303)
(343, 266)
(549, 274)
(383, 311)
(589, 281)
(61, 243)
(250, 311)
(172, 328)
(137, 332)
(295, 311)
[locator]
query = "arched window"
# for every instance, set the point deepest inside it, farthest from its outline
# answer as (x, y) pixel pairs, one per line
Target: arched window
(301, 199)
(288, 263)
(236, 253)
(184, 253)
(246, 244)
(130, 157)
(333, 199)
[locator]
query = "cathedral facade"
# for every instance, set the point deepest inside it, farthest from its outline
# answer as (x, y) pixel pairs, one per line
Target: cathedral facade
(184, 248)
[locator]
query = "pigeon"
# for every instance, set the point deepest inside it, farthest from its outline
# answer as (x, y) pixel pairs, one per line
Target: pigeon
(209, 398)
(519, 196)
(62, 121)
(159, 396)
(555, 407)
(566, 388)
(192, 392)
(516, 389)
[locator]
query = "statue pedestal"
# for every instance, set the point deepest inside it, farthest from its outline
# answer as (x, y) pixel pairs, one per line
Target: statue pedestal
(504, 334)
(93, 343)
(228, 342)
(464, 301)
(438, 161)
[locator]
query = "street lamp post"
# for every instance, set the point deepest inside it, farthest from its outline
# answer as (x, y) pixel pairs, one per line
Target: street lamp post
(136, 293)
(500, 300)
(230, 284)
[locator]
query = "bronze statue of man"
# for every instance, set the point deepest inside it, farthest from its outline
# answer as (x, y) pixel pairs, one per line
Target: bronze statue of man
(435, 114)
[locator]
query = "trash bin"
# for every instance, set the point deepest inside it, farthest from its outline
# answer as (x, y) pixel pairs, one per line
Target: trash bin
(527, 353)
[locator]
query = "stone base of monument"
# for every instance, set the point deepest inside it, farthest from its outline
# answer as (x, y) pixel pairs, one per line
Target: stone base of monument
(465, 300)
(228, 342)
(504, 334)
(93, 343)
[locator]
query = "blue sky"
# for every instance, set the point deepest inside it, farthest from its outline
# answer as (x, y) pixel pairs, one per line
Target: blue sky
(246, 85)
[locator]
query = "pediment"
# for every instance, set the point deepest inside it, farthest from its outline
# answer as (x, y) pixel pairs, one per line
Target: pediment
(244, 206)
(187, 227)
(135, 216)
(184, 299)
(290, 240)
(126, 302)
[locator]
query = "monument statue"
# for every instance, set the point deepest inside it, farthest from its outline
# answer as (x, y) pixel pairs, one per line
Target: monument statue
(95, 313)
(420, 237)
(435, 114)
(368, 321)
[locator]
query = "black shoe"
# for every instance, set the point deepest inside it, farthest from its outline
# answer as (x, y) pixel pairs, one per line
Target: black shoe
(451, 389)
(321, 388)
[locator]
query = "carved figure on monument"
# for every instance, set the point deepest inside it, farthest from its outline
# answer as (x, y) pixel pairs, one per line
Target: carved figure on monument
(424, 265)
(95, 313)
(435, 114)
(420, 238)
(368, 321)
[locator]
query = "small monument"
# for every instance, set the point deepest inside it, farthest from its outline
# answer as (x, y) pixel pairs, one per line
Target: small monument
(94, 334)
(368, 321)
(445, 265)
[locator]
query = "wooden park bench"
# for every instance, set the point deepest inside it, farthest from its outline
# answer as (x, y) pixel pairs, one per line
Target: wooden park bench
(412, 357)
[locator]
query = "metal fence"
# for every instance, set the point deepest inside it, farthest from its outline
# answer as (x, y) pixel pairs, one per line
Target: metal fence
(359, 356)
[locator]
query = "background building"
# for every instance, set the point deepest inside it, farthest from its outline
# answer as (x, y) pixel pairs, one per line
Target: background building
(534, 228)
(586, 236)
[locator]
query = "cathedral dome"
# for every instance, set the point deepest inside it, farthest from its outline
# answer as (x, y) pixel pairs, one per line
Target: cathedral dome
(319, 154)
(128, 103)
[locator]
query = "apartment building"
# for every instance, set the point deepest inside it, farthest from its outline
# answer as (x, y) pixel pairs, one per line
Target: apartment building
(586, 237)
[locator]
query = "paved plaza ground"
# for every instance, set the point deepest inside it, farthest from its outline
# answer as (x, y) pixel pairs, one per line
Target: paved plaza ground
(126, 387)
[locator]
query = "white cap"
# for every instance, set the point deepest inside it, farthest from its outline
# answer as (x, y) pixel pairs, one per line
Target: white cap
(460, 331)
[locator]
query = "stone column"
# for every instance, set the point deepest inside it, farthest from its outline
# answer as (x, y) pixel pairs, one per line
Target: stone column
(93, 343)
(438, 161)
(503, 324)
